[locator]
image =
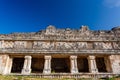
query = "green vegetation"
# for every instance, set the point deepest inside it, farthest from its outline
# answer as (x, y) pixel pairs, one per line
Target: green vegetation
(35, 78)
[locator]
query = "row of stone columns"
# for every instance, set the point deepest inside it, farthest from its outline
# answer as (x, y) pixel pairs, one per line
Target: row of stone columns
(47, 64)
(91, 63)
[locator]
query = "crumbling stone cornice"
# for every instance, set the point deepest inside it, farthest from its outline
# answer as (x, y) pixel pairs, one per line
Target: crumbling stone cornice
(66, 34)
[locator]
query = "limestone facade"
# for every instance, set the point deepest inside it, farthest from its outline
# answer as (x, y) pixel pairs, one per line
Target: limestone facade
(61, 51)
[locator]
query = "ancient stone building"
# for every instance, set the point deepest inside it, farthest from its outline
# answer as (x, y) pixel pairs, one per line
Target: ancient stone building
(61, 51)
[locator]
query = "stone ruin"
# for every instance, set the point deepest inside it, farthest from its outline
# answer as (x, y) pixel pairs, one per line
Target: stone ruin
(61, 51)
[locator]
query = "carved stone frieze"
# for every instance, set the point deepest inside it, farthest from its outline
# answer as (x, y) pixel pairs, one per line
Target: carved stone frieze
(107, 45)
(60, 45)
(98, 45)
(67, 34)
(20, 44)
(116, 45)
(102, 45)
(63, 39)
(43, 45)
(65, 45)
(81, 45)
(8, 44)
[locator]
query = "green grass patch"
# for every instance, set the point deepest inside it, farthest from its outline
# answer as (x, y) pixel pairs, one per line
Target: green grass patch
(35, 78)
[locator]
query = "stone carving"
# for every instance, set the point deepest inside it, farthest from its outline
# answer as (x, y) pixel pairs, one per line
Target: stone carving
(43, 45)
(84, 31)
(102, 45)
(52, 33)
(48, 45)
(84, 28)
(116, 45)
(0, 44)
(107, 45)
(50, 30)
(98, 45)
(65, 46)
(59, 45)
(68, 31)
(119, 45)
(20, 44)
(8, 44)
(82, 45)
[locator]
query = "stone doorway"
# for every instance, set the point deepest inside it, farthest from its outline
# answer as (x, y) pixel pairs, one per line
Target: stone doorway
(60, 65)
(82, 64)
(17, 65)
(101, 64)
(37, 65)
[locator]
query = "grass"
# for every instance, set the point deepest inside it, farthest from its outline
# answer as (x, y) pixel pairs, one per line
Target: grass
(33, 78)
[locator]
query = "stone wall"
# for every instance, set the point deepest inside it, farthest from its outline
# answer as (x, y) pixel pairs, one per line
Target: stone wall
(115, 63)
(63, 41)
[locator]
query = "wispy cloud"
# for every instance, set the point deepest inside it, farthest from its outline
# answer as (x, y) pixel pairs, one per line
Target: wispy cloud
(111, 3)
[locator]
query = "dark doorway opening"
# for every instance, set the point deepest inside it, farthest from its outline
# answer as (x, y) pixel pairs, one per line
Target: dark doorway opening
(82, 65)
(60, 65)
(17, 65)
(101, 64)
(37, 65)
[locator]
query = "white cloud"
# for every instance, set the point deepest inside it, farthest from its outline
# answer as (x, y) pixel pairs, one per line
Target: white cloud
(112, 3)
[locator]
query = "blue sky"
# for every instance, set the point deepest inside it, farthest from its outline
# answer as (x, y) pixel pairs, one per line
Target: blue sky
(34, 15)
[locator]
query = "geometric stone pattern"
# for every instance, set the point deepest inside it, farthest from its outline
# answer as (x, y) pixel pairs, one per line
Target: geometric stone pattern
(71, 45)
(61, 41)
(43, 45)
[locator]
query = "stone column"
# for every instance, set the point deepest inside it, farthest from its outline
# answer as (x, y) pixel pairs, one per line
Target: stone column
(27, 65)
(73, 61)
(10, 65)
(113, 64)
(92, 64)
(6, 65)
(1, 64)
(107, 63)
(47, 64)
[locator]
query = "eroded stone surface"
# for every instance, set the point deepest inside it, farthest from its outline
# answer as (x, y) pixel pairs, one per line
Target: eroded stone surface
(61, 43)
